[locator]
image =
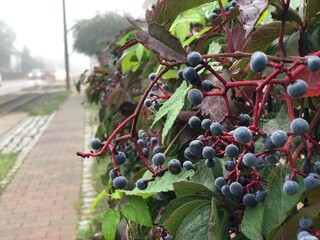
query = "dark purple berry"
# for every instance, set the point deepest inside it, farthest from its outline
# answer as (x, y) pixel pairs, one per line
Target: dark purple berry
(297, 88)
(141, 184)
(195, 96)
(120, 182)
(299, 126)
(95, 143)
(174, 166)
(258, 62)
(194, 58)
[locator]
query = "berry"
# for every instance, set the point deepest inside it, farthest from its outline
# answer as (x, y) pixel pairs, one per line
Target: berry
(311, 181)
(194, 122)
(208, 152)
(213, 16)
(225, 190)
(112, 174)
(290, 187)
(242, 135)
(152, 76)
(233, 3)
(141, 184)
(195, 96)
(95, 143)
(154, 140)
(273, 157)
(230, 165)
(174, 166)
(261, 195)
(216, 128)
(205, 124)
(120, 182)
(313, 63)
(156, 106)
(249, 159)
(180, 74)
(141, 142)
(236, 189)
(279, 138)
(196, 147)
(267, 143)
(297, 88)
(120, 158)
(303, 235)
(194, 58)
(210, 163)
(232, 150)
(219, 182)
(244, 120)
(156, 149)
(317, 164)
(258, 62)
(187, 165)
(165, 87)
(188, 155)
(145, 152)
(207, 85)
(299, 126)
(191, 76)
(147, 102)
(305, 223)
(158, 158)
(260, 163)
(168, 237)
(249, 200)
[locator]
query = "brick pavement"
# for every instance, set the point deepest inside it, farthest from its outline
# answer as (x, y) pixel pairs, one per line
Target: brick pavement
(40, 201)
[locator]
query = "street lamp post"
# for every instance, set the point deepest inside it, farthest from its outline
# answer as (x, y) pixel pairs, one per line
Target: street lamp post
(66, 53)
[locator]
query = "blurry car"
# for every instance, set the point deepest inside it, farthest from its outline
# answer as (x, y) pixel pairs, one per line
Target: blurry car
(42, 74)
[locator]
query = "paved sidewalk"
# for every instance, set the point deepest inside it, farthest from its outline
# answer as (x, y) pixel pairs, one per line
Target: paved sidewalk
(40, 201)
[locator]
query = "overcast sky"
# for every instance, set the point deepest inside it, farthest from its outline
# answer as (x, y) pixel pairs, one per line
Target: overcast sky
(39, 25)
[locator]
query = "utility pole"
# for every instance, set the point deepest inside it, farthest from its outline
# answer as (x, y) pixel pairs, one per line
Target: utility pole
(66, 53)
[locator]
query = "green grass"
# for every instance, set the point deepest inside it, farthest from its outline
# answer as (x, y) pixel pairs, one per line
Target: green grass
(6, 163)
(50, 106)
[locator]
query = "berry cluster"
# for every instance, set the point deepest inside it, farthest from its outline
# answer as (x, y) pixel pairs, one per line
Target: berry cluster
(306, 231)
(228, 8)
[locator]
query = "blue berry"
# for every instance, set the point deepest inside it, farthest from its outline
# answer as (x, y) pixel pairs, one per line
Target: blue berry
(168, 237)
(187, 165)
(154, 140)
(191, 76)
(305, 223)
(219, 182)
(210, 163)
(273, 157)
(213, 16)
(120, 158)
(156, 106)
(279, 138)
(188, 155)
(242, 135)
(120, 182)
(225, 190)
(152, 76)
(261, 195)
(244, 120)
(230, 165)
(195, 96)
(216, 128)
(299, 126)
(236, 189)
(267, 143)
(311, 181)
(194, 122)
(112, 174)
(165, 87)
(205, 124)
(258, 61)
(156, 149)
(249, 159)
(95, 143)
(174, 166)
(249, 200)
(232, 150)
(233, 3)
(260, 163)
(141, 142)
(194, 58)
(207, 85)
(313, 63)
(147, 103)
(196, 147)
(208, 152)
(290, 187)
(297, 88)
(317, 164)
(158, 158)
(180, 74)
(303, 235)
(141, 184)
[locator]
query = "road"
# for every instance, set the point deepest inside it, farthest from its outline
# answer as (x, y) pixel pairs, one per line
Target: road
(12, 86)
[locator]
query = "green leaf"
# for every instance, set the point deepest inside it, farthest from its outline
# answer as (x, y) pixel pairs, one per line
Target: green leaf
(313, 8)
(280, 122)
(98, 198)
(184, 188)
(268, 32)
(214, 48)
(170, 74)
(172, 108)
(110, 221)
(277, 204)
(166, 11)
(194, 37)
(252, 221)
(218, 222)
(175, 219)
(196, 224)
(176, 203)
(292, 15)
(139, 52)
(117, 194)
(136, 210)
(163, 184)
